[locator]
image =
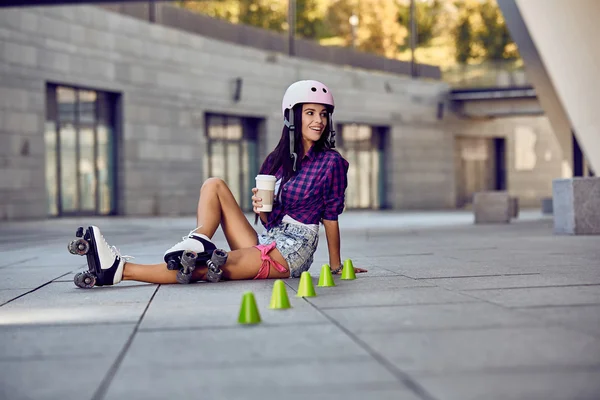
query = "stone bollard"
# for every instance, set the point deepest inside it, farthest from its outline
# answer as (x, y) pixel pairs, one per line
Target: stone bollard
(492, 207)
(576, 203)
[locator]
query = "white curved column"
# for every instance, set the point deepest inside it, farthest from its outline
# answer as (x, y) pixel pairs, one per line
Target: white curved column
(567, 36)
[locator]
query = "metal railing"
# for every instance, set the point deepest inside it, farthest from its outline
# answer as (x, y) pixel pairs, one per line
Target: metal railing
(500, 74)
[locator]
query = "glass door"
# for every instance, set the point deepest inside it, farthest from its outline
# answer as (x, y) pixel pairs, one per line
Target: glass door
(79, 152)
(361, 147)
(232, 154)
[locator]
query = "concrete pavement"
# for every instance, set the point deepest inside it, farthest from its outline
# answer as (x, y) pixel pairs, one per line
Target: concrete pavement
(448, 310)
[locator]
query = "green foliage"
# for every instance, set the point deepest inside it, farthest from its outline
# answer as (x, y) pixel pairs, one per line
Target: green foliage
(426, 19)
(493, 36)
(448, 31)
(463, 39)
(266, 14)
(309, 19)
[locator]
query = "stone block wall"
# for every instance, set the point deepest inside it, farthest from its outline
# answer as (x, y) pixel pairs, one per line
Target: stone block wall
(533, 156)
(167, 80)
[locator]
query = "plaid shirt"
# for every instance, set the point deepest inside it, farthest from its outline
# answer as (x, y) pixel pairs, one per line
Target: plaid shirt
(315, 192)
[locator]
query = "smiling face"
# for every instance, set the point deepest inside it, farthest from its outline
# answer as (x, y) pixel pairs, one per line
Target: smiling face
(314, 121)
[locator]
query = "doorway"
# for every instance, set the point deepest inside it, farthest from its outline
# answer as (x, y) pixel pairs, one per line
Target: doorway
(80, 151)
(480, 166)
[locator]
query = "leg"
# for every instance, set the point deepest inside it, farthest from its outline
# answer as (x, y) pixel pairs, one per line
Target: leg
(241, 264)
(217, 205)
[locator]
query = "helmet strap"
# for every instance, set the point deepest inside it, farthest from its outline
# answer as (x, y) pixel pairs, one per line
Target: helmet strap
(331, 136)
(292, 130)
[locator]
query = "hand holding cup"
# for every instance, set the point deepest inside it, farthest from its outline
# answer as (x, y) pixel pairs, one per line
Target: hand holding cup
(256, 201)
(262, 201)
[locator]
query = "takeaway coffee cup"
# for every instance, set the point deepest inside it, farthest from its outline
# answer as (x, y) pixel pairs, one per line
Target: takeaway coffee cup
(266, 188)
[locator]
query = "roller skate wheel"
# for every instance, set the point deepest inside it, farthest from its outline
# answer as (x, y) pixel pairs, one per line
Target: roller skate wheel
(188, 261)
(183, 278)
(214, 276)
(173, 264)
(219, 257)
(189, 257)
(79, 247)
(84, 280)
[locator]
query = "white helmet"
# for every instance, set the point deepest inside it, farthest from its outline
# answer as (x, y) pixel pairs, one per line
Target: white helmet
(306, 92)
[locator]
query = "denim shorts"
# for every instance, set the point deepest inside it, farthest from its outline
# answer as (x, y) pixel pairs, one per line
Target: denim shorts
(296, 243)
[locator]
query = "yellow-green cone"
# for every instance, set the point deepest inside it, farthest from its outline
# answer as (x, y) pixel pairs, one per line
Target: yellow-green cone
(306, 288)
(326, 278)
(348, 270)
(279, 298)
(249, 310)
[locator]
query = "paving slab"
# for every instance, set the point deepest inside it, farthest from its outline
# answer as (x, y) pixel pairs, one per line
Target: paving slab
(7, 295)
(23, 343)
(516, 281)
(250, 345)
(66, 379)
(429, 317)
(208, 305)
(547, 296)
(585, 318)
(476, 350)
(402, 296)
(516, 385)
(447, 310)
(28, 278)
(332, 379)
(64, 303)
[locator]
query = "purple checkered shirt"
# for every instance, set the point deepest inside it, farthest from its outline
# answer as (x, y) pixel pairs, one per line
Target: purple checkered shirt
(316, 192)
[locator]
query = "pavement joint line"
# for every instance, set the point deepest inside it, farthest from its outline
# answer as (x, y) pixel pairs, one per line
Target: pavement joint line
(517, 369)
(402, 376)
(401, 255)
(398, 305)
(534, 287)
(100, 393)
(268, 363)
(481, 276)
(18, 262)
(33, 290)
(228, 327)
(538, 306)
(63, 325)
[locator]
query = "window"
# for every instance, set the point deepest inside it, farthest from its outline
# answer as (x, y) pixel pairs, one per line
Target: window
(362, 145)
(80, 154)
(232, 154)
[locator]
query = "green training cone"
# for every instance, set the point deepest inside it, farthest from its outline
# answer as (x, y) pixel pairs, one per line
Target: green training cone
(326, 278)
(279, 298)
(348, 270)
(306, 288)
(249, 310)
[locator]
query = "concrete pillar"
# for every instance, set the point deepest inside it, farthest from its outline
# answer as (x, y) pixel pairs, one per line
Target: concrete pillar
(576, 204)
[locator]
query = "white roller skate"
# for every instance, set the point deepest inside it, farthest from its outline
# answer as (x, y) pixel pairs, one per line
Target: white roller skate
(105, 263)
(195, 249)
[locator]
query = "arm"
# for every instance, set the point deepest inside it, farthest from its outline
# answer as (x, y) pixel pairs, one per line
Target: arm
(332, 232)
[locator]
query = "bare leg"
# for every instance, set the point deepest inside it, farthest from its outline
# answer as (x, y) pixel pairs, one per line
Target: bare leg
(218, 206)
(241, 264)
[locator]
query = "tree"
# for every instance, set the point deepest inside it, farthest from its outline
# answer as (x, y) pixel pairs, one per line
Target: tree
(425, 16)
(266, 14)
(309, 19)
(463, 38)
(378, 30)
(494, 36)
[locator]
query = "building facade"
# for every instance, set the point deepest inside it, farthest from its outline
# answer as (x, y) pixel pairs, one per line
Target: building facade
(105, 114)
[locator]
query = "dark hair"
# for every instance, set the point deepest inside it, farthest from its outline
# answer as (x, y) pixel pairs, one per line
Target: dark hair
(280, 156)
